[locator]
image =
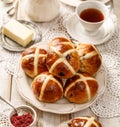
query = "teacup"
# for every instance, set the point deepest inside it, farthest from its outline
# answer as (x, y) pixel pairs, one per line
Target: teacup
(92, 14)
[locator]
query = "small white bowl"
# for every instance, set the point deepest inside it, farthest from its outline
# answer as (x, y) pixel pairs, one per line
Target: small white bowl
(24, 109)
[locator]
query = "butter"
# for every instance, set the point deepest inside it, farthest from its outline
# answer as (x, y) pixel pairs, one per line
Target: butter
(18, 32)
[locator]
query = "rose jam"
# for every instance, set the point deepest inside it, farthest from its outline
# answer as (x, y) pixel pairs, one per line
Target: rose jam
(22, 120)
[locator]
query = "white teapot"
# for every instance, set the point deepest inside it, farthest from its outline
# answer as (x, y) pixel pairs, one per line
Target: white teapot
(42, 10)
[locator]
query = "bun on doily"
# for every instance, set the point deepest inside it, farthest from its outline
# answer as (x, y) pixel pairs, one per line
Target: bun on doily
(85, 121)
(81, 88)
(90, 58)
(62, 58)
(33, 61)
(47, 88)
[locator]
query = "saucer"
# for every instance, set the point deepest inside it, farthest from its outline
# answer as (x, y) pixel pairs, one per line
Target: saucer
(77, 32)
(75, 3)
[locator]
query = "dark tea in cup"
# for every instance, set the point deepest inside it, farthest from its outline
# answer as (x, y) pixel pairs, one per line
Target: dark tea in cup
(92, 15)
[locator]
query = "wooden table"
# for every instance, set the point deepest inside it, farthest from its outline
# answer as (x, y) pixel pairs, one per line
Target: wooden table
(46, 119)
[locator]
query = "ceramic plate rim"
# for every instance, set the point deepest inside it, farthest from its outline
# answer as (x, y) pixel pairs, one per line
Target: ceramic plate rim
(75, 3)
(69, 29)
(21, 78)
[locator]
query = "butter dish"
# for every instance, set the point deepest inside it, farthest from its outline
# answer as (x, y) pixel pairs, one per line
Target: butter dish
(11, 45)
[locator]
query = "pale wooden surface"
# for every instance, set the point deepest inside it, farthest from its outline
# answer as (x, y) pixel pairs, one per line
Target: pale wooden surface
(48, 119)
(117, 9)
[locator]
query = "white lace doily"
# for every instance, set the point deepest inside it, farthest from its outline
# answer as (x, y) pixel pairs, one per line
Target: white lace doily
(109, 104)
(4, 120)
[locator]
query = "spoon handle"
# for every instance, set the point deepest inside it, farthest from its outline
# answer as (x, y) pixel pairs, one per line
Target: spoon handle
(15, 4)
(13, 8)
(8, 103)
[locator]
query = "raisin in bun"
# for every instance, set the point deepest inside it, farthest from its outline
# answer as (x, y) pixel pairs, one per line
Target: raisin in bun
(85, 121)
(33, 61)
(81, 88)
(89, 57)
(62, 59)
(47, 88)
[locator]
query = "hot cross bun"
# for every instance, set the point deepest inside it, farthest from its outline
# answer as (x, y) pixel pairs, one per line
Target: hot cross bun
(85, 121)
(89, 57)
(33, 61)
(62, 58)
(57, 40)
(81, 88)
(47, 88)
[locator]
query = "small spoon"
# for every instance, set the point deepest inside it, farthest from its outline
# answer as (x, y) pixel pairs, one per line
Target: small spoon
(12, 10)
(9, 104)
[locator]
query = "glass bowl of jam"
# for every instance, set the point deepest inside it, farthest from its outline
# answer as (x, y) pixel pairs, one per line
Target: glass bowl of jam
(24, 117)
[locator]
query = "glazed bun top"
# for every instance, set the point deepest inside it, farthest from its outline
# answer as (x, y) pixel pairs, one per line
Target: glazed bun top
(81, 88)
(87, 121)
(47, 88)
(57, 40)
(33, 61)
(62, 58)
(89, 57)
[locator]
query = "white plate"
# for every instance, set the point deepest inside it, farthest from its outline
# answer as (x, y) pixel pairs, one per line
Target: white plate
(13, 46)
(62, 106)
(75, 3)
(77, 32)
